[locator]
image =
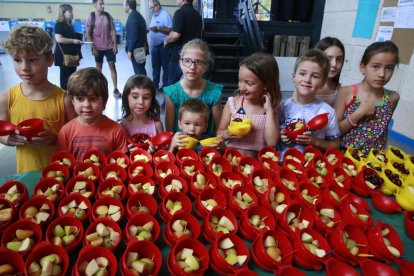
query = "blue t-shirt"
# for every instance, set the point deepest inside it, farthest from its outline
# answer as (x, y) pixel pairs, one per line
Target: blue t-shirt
(162, 19)
(292, 112)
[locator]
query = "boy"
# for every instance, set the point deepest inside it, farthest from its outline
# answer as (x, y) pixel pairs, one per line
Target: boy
(311, 73)
(88, 88)
(193, 121)
(35, 97)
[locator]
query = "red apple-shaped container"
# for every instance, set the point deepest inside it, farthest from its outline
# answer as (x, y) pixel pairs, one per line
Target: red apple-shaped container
(309, 153)
(141, 155)
(385, 242)
(113, 171)
(82, 185)
(185, 154)
(247, 166)
(316, 179)
(112, 238)
(14, 259)
(119, 158)
(308, 194)
(268, 153)
(202, 204)
(111, 187)
(163, 169)
(334, 195)
(219, 165)
(143, 249)
(292, 131)
(108, 202)
(172, 183)
(321, 165)
(233, 156)
(384, 203)
(181, 225)
(349, 163)
(206, 155)
(14, 191)
(255, 220)
(6, 128)
(303, 256)
(353, 213)
(9, 213)
(88, 253)
(240, 198)
(162, 155)
(199, 252)
(344, 238)
(9, 235)
(71, 236)
(366, 181)
(131, 230)
(136, 183)
(218, 262)
(42, 205)
(260, 181)
(358, 200)
(228, 181)
(200, 182)
(82, 210)
(294, 218)
(139, 140)
(295, 155)
(44, 249)
(56, 171)
(341, 178)
(162, 139)
(334, 157)
(190, 167)
(141, 202)
(64, 158)
(140, 168)
(83, 168)
(409, 223)
(289, 180)
(276, 199)
(325, 217)
(51, 188)
(263, 259)
(297, 169)
(176, 198)
(95, 157)
(210, 228)
(31, 128)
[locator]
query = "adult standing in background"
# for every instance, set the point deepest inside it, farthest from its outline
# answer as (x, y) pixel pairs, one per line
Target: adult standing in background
(160, 26)
(136, 37)
(68, 42)
(186, 26)
(100, 30)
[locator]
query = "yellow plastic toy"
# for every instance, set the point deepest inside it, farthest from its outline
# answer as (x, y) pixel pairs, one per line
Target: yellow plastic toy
(209, 141)
(240, 128)
(192, 142)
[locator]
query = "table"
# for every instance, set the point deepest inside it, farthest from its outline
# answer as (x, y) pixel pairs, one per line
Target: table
(396, 220)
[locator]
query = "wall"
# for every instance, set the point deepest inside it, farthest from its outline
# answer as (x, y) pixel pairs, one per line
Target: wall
(338, 21)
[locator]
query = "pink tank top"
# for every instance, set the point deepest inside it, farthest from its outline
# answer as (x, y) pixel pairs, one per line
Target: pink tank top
(255, 139)
(131, 129)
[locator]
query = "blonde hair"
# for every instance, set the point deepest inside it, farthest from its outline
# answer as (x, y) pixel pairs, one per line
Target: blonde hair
(194, 106)
(318, 57)
(83, 80)
(199, 45)
(28, 39)
(61, 16)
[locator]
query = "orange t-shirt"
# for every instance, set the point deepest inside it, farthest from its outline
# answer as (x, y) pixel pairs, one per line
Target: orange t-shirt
(106, 136)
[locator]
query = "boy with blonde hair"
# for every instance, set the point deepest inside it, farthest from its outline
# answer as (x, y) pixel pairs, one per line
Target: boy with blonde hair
(35, 97)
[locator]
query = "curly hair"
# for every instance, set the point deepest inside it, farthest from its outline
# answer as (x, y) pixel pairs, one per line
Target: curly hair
(27, 39)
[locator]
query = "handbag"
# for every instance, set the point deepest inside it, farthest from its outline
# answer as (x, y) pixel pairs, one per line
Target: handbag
(140, 55)
(70, 60)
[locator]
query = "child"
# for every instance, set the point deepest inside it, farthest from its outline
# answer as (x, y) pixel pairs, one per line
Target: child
(311, 73)
(364, 110)
(141, 111)
(35, 97)
(335, 51)
(88, 88)
(258, 98)
(194, 62)
(193, 121)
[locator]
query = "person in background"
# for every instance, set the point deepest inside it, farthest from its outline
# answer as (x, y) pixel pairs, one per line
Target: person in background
(68, 42)
(187, 25)
(335, 51)
(34, 97)
(310, 74)
(100, 30)
(136, 37)
(160, 26)
(88, 88)
(258, 97)
(364, 110)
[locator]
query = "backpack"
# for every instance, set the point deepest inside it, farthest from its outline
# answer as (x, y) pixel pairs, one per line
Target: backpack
(93, 20)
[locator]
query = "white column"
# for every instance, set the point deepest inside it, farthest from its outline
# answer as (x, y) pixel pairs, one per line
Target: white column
(144, 10)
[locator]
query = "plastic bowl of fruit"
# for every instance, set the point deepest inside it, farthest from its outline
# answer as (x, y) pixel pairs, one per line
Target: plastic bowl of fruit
(256, 219)
(90, 261)
(14, 191)
(162, 155)
(31, 128)
(140, 140)
(294, 129)
(405, 197)
(366, 181)
(353, 213)
(409, 223)
(191, 142)
(47, 256)
(80, 184)
(40, 209)
(181, 225)
(95, 157)
(11, 262)
(65, 158)
(141, 155)
(162, 139)
(219, 220)
(65, 231)
(172, 203)
(392, 182)
(75, 205)
(140, 183)
(119, 158)
(103, 233)
(141, 257)
(8, 213)
(385, 242)
(141, 202)
(141, 226)
(207, 200)
(295, 217)
(240, 127)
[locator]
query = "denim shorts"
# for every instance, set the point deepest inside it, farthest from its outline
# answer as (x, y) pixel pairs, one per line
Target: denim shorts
(109, 54)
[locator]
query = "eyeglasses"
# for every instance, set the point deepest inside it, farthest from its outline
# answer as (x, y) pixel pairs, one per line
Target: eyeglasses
(153, 7)
(187, 62)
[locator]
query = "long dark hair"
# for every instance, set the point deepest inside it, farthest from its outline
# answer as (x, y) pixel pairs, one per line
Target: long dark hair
(380, 47)
(140, 82)
(327, 42)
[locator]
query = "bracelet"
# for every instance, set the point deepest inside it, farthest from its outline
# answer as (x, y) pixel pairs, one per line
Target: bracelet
(350, 121)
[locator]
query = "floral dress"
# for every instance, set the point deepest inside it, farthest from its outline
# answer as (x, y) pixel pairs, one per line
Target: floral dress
(372, 130)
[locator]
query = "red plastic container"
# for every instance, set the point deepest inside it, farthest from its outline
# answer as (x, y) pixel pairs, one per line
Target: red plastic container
(66, 221)
(44, 249)
(120, 172)
(310, 152)
(141, 200)
(207, 154)
(41, 187)
(12, 258)
(385, 203)
(229, 155)
(170, 236)
(268, 199)
(145, 169)
(162, 156)
(166, 214)
(409, 223)
(112, 183)
(287, 175)
(210, 183)
(89, 188)
(248, 162)
(339, 172)
(141, 219)
(6, 128)
(78, 198)
(38, 202)
(31, 128)
(264, 176)
(334, 195)
(235, 180)
(88, 253)
(5, 204)
(250, 231)
(24, 224)
(145, 249)
(293, 134)
(295, 155)
(200, 210)
(190, 163)
(208, 230)
(350, 217)
(184, 154)
(314, 193)
(346, 160)
(302, 213)
(107, 201)
(236, 193)
(81, 168)
(167, 182)
(107, 223)
(322, 226)
(222, 162)
(360, 187)
(162, 139)
(297, 169)
(10, 185)
(141, 155)
(140, 179)
(263, 157)
(60, 155)
(316, 179)
(101, 157)
(338, 154)
(164, 167)
(139, 140)
(112, 158)
(56, 167)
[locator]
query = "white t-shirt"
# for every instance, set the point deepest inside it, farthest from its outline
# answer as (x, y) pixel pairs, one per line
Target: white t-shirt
(293, 112)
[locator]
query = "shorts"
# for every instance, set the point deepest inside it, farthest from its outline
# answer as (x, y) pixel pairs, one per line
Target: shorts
(109, 54)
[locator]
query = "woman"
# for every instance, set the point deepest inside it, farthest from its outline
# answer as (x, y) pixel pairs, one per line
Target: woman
(67, 40)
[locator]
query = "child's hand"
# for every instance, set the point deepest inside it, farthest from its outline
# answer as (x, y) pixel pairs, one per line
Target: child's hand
(177, 140)
(16, 139)
(219, 145)
(305, 138)
(225, 134)
(44, 138)
(285, 139)
(366, 108)
(267, 103)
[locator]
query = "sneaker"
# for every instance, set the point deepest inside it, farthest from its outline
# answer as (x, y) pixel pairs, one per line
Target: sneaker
(117, 94)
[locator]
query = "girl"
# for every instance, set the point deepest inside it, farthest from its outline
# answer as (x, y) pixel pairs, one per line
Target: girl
(258, 98)
(335, 50)
(364, 110)
(67, 42)
(140, 109)
(194, 62)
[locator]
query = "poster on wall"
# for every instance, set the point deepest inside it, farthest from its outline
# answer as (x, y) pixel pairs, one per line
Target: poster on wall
(365, 18)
